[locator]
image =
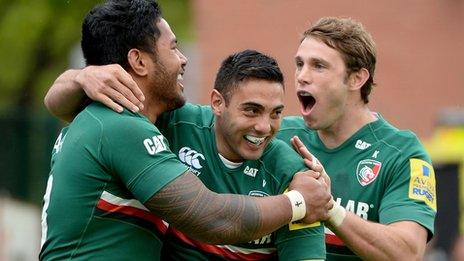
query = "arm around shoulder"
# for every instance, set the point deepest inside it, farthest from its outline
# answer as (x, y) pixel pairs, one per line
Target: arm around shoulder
(108, 84)
(64, 96)
(218, 218)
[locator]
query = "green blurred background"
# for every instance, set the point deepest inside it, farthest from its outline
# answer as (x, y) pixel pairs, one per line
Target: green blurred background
(37, 42)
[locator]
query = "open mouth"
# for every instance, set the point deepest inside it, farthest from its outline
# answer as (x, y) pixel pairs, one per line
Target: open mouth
(307, 100)
(255, 140)
(180, 78)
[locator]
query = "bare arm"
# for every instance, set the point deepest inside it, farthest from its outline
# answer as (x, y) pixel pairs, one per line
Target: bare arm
(224, 218)
(65, 96)
(108, 84)
(404, 240)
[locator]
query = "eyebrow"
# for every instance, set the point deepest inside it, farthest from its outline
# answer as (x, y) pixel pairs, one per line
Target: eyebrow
(320, 60)
(254, 104)
(313, 60)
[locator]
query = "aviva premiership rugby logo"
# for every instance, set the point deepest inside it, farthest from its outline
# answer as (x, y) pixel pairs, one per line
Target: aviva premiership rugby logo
(367, 171)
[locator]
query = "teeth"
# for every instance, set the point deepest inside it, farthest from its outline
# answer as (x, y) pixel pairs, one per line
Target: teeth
(180, 77)
(306, 94)
(255, 140)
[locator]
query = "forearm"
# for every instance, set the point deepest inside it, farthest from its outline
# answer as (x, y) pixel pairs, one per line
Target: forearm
(234, 218)
(218, 218)
(65, 96)
(374, 241)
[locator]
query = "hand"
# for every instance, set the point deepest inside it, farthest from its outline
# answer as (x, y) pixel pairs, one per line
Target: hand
(310, 160)
(112, 86)
(316, 195)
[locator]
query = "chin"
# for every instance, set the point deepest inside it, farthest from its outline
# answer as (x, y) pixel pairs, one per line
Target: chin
(310, 123)
(175, 104)
(181, 102)
(252, 155)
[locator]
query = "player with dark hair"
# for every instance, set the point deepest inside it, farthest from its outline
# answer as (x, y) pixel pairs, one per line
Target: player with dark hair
(230, 146)
(110, 172)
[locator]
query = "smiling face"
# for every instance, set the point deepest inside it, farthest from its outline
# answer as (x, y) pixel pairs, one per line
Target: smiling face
(321, 83)
(247, 122)
(168, 69)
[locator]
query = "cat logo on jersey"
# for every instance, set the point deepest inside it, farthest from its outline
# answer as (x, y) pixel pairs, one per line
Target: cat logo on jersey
(250, 171)
(155, 144)
(367, 171)
(422, 183)
(362, 145)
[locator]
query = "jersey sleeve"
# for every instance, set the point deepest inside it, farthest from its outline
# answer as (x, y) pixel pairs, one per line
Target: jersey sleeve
(282, 162)
(194, 114)
(138, 154)
(411, 192)
(298, 241)
(291, 126)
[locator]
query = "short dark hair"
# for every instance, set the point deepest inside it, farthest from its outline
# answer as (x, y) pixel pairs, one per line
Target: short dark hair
(354, 43)
(111, 29)
(243, 66)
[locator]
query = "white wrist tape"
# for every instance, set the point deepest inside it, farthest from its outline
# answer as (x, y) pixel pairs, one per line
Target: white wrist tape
(298, 204)
(336, 214)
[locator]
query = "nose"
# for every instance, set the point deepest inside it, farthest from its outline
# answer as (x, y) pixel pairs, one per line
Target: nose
(303, 76)
(263, 125)
(183, 59)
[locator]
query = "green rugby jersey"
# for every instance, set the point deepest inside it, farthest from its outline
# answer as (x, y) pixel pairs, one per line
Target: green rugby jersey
(104, 166)
(190, 131)
(381, 174)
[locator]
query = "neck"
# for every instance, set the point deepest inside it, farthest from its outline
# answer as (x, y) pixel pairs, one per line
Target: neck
(222, 146)
(151, 112)
(353, 119)
(152, 106)
(230, 164)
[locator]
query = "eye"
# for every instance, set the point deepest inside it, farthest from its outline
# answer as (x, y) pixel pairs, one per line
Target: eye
(299, 64)
(251, 111)
(319, 66)
(175, 46)
(276, 114)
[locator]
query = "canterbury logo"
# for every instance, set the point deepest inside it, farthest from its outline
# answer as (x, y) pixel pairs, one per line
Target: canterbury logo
(191, 157)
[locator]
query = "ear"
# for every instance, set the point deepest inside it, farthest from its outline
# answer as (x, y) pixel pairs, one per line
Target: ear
(138, 61)
(217, 102)
(358, 78)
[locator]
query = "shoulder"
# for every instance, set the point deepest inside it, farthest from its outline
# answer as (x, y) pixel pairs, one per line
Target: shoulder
(278, 148)
(281, 160)
(111, 123)
(293, 122)
(294, 126)
(405, 142)
(196, 114)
